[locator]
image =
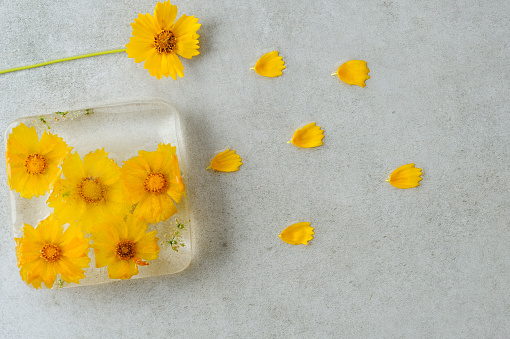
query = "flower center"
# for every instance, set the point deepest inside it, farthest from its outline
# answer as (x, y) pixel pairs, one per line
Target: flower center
(155, 183)
(35, 164)
(91, 190)
(164, 41)
(50, 253)
(125, 249)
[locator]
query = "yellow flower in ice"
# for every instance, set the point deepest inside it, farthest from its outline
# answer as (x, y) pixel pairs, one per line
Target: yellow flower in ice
(122, 245)
(226, 161)
(152, 180)
(157, 40)
(406, 176)
(353, 72)
(270, 65)
(297, 234)
(308, 136)
(33, 164)
(91, 190)
(48, 250)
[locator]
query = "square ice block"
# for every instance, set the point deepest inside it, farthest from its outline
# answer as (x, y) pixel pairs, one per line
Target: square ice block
(122, 130)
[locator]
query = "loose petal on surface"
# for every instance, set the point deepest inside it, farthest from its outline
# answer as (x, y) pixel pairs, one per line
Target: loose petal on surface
(297, 234)
(226, 161)
(308, 136)
(406, 176)
(354, 72)
(270, 65)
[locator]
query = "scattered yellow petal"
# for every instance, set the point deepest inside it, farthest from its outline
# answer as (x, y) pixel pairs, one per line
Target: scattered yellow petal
(406, 176)
(353, 72)
(297, 234)
(270, 65)
(226, 161)
(308, 136)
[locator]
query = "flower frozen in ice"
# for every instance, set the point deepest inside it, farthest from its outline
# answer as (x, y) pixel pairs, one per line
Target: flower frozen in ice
(33, 163)
(153, 181)
(48, 250)
(123, 245)
(91, 190)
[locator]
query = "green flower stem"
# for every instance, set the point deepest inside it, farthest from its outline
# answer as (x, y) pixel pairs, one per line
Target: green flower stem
(64, 59)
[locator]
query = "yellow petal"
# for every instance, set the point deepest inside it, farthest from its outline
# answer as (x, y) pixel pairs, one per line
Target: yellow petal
(308, 136)
(406, 176)
(270, 65)
(297, 234)
(185, 25)
(226, 161)
(122, 269)
(354, 72)
(165, 14)
(187, 46)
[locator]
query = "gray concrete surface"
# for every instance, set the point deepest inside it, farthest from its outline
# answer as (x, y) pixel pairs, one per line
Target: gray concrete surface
(431, 262)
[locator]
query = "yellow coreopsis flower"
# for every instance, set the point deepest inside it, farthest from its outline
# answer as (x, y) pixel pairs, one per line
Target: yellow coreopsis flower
(354, 72)
(270, 65)
(48, 250)
(152, 180)
(297, 234)
(226, 161)
(122, 245)
(406, 176)
(308, 136)
(91, 190)
(33, 164)
(157, 40)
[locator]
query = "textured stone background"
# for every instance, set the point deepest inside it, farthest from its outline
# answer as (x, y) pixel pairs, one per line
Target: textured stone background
(427, 262)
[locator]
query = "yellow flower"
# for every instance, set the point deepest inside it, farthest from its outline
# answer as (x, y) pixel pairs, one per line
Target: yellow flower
(33, 164)
(270, 65)
(353, 72)
(152, 180)
(226, 161)
(91, 190)
(406, 176)
(308, 136)
(157, 40)
(297, 234)
(122, 244)
(48, 250)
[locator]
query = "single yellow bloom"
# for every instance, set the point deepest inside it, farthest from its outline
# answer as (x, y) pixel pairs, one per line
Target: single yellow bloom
(48, 250)
(297, 234)
(353, 72)
(122, 245)
(226, 161)
(157, 40)
(308, 136)
(33, 164)
(152, 180)
(91, 190)
(406, 176)
(270, 65)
